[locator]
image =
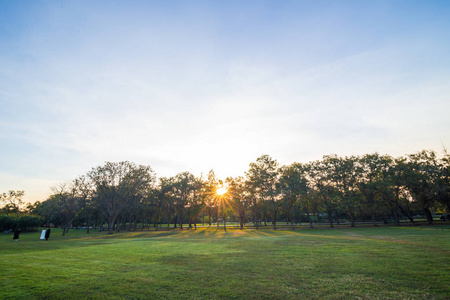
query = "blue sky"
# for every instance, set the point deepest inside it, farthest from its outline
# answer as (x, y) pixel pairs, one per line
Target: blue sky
(200, 85)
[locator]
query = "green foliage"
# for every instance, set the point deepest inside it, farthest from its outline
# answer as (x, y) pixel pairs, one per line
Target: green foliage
(371, 187)
(11, 202)
(23, 221)
(118, 186)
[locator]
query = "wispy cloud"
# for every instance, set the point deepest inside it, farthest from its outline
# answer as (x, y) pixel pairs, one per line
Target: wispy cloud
(213, 86)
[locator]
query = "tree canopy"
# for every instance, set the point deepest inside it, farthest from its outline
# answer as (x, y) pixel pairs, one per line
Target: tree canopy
(372, 187)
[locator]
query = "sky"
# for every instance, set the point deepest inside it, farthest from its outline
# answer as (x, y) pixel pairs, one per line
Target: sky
(200, 85)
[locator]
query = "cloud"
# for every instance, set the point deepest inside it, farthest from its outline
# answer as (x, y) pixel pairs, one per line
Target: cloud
(214, 86)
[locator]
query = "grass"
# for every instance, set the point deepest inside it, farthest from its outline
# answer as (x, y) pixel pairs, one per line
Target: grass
(365, 263)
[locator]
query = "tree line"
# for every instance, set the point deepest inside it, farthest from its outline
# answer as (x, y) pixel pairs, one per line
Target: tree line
(371, 187)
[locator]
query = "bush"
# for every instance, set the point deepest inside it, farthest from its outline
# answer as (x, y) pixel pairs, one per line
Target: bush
(23, 221)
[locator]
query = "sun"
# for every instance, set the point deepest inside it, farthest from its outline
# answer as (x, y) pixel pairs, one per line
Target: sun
(221, 191)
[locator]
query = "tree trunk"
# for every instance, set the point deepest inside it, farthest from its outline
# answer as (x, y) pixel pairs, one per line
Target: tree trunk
(309, 219)
(393, 209)
(275, 220)
(330, 217)
(209, 216)
(405, 213)
(427, 212)
(111, 221)
(307, 214)
(395, 214)
(87, 222)
(373, 218)
(352, 218)
(181, 221)
(217, 218)
(293, 222)
(314, 215)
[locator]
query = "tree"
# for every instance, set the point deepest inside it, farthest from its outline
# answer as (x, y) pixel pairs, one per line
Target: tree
(196, 201)
(443, 182)
(422, 179)
(343, 176)
(139, 201)
(292, 186)
(166, 197)
(116, 183)
(311, 204)
(254, 201)
(157, 198)
(19, 220)
(263, 177)
(11, 202)
(320, 180)
(66, 203)
(394, 191)
(83, 191)
(210, 197)
(183, 188)
(238, 198)
(371, 176)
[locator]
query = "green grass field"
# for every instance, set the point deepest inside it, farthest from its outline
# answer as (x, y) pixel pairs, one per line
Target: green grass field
(358, 263)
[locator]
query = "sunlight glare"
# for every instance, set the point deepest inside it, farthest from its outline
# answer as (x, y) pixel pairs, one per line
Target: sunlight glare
(221, 191)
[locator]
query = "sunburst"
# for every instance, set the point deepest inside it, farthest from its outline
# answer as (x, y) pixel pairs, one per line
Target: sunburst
(221, 191)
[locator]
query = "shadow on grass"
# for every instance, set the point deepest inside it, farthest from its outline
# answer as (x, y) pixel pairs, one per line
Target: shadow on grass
(30, 242)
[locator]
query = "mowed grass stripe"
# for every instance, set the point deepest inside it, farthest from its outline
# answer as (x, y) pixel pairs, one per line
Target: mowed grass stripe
(375, 263)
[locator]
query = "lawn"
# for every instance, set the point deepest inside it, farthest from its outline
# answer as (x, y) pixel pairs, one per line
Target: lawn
(408, 262)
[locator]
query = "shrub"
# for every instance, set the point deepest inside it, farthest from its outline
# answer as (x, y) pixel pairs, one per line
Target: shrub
(23, 221)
